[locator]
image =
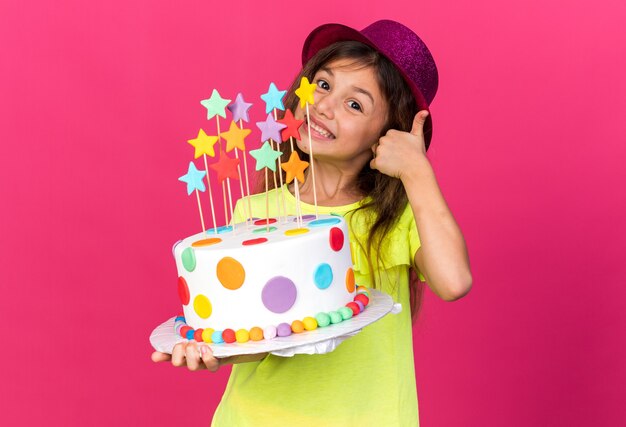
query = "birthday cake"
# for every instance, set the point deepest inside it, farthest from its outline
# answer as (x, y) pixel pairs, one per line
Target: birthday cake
(273, 276)
(267, 280)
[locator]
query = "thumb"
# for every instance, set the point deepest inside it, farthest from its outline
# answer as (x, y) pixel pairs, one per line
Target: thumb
(418, 122)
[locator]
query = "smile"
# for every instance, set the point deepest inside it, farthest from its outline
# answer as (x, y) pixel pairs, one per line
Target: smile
(320, 130)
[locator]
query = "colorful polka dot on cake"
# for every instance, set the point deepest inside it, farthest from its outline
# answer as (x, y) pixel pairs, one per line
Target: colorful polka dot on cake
(336, 239)
(202, 306)
(265, 221)
(264, 230)
(279, 294)
(323, 276)
(183, 291)
(350, 280)
(206, 242)
(197, 335)
(251, 242)
(189, 259)
(230, 273)
(296, 231)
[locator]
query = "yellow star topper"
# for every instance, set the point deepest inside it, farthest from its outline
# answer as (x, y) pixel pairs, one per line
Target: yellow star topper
(203, 144)
(235, 137)
(295, 167)
(305, 92)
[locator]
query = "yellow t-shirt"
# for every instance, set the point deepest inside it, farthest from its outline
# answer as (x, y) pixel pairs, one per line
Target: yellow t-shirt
(368, 380)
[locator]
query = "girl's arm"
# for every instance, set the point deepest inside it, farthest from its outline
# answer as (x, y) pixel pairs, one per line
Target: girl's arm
(442, 257)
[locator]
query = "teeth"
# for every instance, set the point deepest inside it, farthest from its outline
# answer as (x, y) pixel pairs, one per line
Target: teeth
(320, 130)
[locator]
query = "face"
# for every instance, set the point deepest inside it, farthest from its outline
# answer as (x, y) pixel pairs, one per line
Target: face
(348, 115)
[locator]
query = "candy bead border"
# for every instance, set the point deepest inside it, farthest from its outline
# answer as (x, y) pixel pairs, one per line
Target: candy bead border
(309, 323)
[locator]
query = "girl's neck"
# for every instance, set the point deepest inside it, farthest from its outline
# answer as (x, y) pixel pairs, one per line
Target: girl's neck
(334, 186)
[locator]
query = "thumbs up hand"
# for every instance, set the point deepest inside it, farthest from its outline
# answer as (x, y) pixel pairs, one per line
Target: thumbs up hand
(398, 152)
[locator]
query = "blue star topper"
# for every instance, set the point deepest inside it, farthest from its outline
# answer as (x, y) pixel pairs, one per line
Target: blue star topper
(193, 178)
(273, 98)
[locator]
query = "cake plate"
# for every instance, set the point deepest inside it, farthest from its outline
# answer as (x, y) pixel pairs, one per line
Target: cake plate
(319, 341)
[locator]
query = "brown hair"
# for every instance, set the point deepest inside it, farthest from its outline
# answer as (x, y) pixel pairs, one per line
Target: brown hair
(387, 198)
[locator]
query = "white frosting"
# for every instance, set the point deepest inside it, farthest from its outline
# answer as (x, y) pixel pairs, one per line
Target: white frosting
(295, 257)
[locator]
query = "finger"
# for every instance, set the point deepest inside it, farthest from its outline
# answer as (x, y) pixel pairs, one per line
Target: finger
(374, 148)
(157, 356)
(418, 122)
(192, 354)
(373, 163)
(211, 363)
(178, 355)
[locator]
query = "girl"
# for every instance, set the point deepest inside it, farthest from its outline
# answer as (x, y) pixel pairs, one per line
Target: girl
(370, 128)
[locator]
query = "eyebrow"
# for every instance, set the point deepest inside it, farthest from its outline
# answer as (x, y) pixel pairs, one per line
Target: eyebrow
(356, 88)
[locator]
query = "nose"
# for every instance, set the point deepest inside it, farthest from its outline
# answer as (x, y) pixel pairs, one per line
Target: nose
(325, 105)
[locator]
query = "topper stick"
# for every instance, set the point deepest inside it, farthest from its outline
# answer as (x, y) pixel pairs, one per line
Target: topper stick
(230, 201)
(200, 210)
(245, 169)
(297, 191)
(280, 174)
(219, 137)
(275, 184)
(267, 204)
(308, 122)
(208, 181)
(245, 209)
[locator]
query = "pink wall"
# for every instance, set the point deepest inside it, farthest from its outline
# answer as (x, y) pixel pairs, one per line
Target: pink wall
(97, 101)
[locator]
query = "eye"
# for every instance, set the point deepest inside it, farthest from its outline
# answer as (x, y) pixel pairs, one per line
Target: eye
(323, 84)
(354, 105)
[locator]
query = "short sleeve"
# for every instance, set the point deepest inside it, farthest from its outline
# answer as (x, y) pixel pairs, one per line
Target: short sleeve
(414, 243)
(398, 248)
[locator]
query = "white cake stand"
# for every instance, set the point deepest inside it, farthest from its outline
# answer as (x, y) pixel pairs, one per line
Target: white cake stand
(318, 341)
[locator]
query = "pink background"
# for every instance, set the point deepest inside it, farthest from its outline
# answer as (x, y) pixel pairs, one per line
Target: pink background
(98, 100)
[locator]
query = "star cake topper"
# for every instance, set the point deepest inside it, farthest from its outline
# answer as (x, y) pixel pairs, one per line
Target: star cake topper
(203, 144)
(273, 98)
(239, 109)
(295, 167)
(215, 105)
(193, 178)
(226, 167)
(265, 157)
(293, 126)
(270, 129)
(305, 92)
(235, 137)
